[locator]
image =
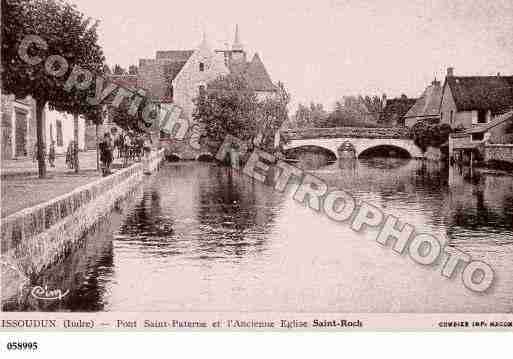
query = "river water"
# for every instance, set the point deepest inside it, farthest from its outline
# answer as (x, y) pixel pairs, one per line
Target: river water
(200, 237)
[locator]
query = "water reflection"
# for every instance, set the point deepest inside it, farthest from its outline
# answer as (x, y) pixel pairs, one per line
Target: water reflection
(204, 237)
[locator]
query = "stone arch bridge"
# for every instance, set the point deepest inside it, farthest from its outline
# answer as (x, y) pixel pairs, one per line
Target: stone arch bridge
(341, 140)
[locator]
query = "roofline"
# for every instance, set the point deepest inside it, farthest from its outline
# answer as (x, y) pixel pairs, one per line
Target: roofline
(486, 128)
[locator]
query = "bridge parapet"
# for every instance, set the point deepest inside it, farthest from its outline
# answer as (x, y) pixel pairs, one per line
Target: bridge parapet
(347, 132)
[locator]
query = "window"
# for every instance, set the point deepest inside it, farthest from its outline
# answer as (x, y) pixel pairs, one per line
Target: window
(201, 91)
(481, 116)
(478, 136)
(58, 126)
(452, 117)
(202, 66)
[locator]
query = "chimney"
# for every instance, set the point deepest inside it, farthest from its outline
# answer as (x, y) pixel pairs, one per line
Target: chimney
(450, 71)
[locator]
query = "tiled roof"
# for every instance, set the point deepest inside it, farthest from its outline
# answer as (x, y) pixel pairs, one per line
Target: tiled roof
(493, 93)
(428, 104)
(129, 81)
(396, 108)
(174, 55)
(257, 77)
(172, 69)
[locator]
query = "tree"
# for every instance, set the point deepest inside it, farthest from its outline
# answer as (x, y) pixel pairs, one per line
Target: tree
(133, 70)
(96, 118)
(118, 70)
(425, 134)
(228, 106)
(106, 70)
(273, 114)
(309, 116)
(64, 32)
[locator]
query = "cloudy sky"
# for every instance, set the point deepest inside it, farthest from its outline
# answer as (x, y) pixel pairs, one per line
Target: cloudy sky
(323, 49)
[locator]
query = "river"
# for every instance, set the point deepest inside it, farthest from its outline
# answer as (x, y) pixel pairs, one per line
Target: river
(200, 237)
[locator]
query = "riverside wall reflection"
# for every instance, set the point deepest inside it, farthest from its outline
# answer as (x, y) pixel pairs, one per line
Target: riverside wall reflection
(205, 237)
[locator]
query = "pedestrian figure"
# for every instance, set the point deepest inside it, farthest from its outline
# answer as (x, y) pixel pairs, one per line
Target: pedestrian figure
(120, 144)
(70, 152)
(51, 154)
(106, 157)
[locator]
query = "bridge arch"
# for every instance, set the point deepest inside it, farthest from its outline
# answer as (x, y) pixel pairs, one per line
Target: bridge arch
(172, 156)
(390, 150)
(204, 157)
(318, 148)
(403, 147)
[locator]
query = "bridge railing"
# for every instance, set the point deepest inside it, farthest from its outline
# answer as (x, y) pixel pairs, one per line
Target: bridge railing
(350, 132)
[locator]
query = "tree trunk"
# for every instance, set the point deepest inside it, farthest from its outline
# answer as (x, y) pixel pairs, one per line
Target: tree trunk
(97, 149)
(75, 139)
(41, 165)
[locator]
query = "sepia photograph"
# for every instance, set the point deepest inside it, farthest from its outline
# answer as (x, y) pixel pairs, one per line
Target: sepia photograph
(333, 164)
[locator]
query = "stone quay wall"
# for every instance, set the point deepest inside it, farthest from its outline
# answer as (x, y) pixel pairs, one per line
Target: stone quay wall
(37, 237)
(498, 153)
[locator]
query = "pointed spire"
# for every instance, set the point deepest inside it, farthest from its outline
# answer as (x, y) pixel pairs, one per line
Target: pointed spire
(237, 45)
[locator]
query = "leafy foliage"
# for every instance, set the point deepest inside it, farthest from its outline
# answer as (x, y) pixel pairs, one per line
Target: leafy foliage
(351, 111)
(118, 70)
(229, 106)
(68, 33)
(425, 134)
(122, 117)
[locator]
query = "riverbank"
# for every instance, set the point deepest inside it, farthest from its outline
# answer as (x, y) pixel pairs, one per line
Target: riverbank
(22, 188)
(39, 236)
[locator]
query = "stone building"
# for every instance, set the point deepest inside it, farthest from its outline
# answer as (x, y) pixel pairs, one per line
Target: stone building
(177, 76)
(394, 110)
(427, 107)
(18, 128)
(469, 101)
(480, 109)
(18, 131)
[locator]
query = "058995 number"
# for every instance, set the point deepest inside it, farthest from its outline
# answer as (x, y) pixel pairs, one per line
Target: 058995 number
(22, 346)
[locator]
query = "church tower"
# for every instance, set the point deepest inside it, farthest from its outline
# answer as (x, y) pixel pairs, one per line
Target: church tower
(237, 53)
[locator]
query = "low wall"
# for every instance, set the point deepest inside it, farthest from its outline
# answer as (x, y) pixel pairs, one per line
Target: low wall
(498, 153)
(39, 236)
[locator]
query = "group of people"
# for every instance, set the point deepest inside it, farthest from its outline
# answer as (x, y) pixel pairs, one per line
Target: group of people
(128, 146)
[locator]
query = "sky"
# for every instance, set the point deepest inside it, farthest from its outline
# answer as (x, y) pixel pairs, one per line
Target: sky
(325, 49)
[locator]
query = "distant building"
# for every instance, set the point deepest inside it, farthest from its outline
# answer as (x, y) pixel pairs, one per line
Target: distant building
(18, 132)
(469, 101)
(177, 76)
(395, 109)
(59, 127)
(18, 128)
(427, 107)
(480, 108)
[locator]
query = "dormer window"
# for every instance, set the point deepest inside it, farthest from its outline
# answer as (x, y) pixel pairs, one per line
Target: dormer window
(201, 66)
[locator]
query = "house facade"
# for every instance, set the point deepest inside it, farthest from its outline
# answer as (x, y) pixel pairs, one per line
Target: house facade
(18, 131)
(480, 110)
(427, 107)
(177, 76)
(394, 110)
(470, 101)
(18, 128)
